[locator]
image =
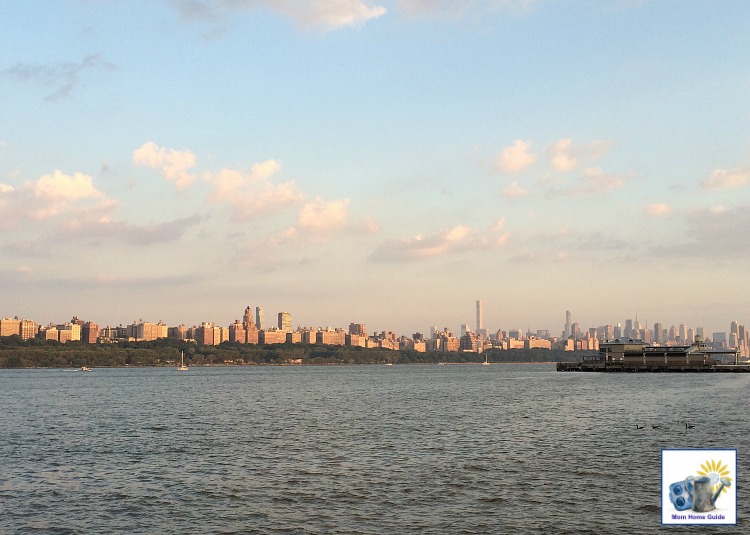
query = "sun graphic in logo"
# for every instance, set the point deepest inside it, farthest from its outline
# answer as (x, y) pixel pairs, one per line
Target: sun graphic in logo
(715, 471)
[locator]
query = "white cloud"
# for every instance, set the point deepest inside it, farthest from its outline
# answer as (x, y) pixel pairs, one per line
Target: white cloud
(451, 241)
(250, 193)
(320, 215)
(173, 164)
(658, 209)
(564, 156)
(727, 179)
(514, 191)
(49, 196)
(70, 187)
(516, 157)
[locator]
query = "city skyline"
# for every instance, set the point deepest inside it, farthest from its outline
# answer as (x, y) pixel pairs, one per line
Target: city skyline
(377, 161)
(655, 332)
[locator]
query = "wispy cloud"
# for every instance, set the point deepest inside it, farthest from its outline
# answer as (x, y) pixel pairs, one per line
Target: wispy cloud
(173, 164)
(455, 240)
(591, 181)
(326, 14)
(453, 8)
(658, 209)
(514, 191)
(320, 215)
(62, 77)
(565, 156)
(727, 179)
(714, 233)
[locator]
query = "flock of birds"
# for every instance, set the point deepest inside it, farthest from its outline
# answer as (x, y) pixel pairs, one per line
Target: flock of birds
(687, 426)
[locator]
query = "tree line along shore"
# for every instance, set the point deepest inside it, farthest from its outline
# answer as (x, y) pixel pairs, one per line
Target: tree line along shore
(18, 353)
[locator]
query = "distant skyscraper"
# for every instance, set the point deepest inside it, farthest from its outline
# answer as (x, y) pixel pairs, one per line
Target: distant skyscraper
(285, 322)
(568, 318)
(658, 337)
(260, 318)
(247, 318)
(480, 326)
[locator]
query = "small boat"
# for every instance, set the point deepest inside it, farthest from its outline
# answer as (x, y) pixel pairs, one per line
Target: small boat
(182, 366)
(486, 360)
(85, 369)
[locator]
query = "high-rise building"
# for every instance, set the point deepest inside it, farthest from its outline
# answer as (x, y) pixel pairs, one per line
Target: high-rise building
(358, 329)
(568, 319)
(658, 337)
(260, 318)
(89, 332)
(480, 326)
(247, 318)
(285, 322)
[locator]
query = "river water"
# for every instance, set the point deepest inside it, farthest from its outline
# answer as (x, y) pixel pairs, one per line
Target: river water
(354, 449)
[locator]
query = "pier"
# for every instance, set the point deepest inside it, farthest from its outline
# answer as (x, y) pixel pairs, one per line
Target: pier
(634, 356)
(590, 366)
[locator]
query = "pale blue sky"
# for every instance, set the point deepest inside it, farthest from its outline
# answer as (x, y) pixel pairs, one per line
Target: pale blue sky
(383, 162)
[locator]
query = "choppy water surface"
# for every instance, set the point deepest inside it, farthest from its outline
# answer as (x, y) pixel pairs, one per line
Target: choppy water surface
(365, 449)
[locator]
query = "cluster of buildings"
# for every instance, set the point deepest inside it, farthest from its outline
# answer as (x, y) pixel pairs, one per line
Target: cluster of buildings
(254, 329)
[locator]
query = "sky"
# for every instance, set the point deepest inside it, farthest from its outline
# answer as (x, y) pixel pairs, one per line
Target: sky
(386, 162)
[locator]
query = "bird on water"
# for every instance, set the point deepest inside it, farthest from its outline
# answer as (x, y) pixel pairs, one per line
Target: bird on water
(655, 426)
(689, 426)
(638, 426)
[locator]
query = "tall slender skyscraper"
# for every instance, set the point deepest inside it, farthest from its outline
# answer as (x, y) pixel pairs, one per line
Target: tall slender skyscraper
(260, 319)
(480, 326)
(568, 317)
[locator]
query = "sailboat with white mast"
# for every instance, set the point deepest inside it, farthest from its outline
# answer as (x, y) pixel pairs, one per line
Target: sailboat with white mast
(182, 366)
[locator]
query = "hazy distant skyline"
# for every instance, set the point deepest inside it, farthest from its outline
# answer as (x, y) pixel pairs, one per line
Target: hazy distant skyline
(381, 162)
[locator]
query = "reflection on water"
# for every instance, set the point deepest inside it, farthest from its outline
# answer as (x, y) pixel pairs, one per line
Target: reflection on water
(365, 449)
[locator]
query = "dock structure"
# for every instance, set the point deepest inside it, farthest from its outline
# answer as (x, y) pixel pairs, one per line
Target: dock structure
(635, 356)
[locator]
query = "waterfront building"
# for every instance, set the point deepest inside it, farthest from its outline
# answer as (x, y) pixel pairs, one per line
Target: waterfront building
(148, 331)
(358, 329)
(69, 332)
(285, 322)
(294, 337)
(271, 336)
(470, 342)
(10, 327)
(538, 343)
(90, 332)
(28, 329)
(356, 340)
(309, 336)
(237, 332)
(330, 337)
(204, 334)
(180, 332)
